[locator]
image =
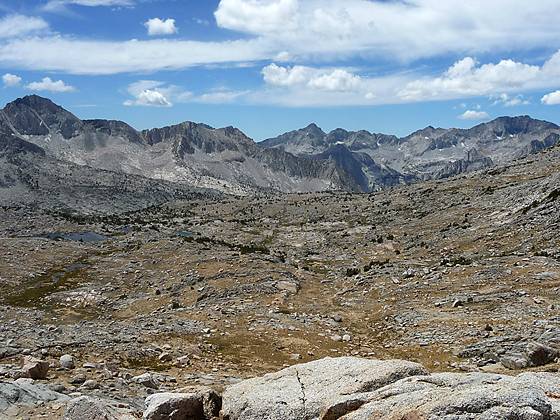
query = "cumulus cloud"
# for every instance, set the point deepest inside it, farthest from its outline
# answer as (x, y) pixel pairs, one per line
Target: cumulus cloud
(313, 30)
(509, 100)
(19, 25)
(149, 97)
(11, 80)
(502, 82)
(258, 16)
(155, 93)
(157, 26)
(552, 98)
(158, 93)
(49, 85)
(405, 29)
(149, 93)
(467, 78)
(472, 115)
(313, 78)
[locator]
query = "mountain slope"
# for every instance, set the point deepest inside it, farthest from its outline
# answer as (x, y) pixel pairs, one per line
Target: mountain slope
(305, 160)
(29, 177)
(431, 153)
(188, 153)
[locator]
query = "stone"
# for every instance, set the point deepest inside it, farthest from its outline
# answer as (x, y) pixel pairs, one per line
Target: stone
(196, 404)
(303, 391)
(514, 361)
(34, 368)
(67, 361)
(184, 360)
(147, 380)
(456, 396)
(539, 354)
(78, 379)
(458, 303)
(90, 384)
(165, 357)
(85, 407)
(288, 286)
(25, 392)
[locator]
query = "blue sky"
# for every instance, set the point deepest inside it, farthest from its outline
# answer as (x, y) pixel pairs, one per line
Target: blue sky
(270, 66)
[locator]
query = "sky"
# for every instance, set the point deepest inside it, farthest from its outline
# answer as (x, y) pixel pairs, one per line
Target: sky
(271, 66)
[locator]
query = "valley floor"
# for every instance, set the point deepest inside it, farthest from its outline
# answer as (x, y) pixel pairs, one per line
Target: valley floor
(457, 275)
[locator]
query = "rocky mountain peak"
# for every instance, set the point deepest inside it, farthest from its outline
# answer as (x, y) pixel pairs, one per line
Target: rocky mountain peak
(313, 130)
(37, 116)
(515, 125)
(36, 102)
(338, 134)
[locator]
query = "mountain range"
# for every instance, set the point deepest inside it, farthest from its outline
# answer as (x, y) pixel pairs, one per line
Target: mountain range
(41, 143)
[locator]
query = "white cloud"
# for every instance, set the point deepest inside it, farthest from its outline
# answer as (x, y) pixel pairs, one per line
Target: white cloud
(509, 100)
(473, 115)
(337, 80)
(258, 16)
(155, 93)
(59, 5)
(148, 93)
(157, 26)
(313, 78)
(465, 78)
(311, 31)
(158, 93)
(11, 80)
(502, 82)
(405, 29)
(552, 98)
(95, 3)
(285, 76)
(12, 26)
(64, 54)
(49, 85)
(149, 97)
(219, 96)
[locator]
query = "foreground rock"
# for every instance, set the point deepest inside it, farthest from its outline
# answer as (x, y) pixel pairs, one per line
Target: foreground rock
(463, 397)
(303, 391)
(83, 408)
(196, 404)
(356, 389)
(34, 368)
(25, 392)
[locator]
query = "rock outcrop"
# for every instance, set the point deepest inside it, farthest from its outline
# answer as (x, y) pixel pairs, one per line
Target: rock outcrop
(357, 389)
(85, 407)
(25, 392)
(304, 391)
(195, 404)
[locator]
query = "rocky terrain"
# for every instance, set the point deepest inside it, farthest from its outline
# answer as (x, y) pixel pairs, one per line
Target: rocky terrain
(123, 296)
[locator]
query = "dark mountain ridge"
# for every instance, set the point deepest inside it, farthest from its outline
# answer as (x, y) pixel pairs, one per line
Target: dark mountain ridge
(304, 160)
(429, 153)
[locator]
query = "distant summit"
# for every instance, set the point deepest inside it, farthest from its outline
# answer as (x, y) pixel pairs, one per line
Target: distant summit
(304, 160)
(429, 153)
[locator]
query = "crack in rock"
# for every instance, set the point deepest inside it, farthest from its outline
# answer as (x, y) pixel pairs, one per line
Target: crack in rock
(302, 387)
